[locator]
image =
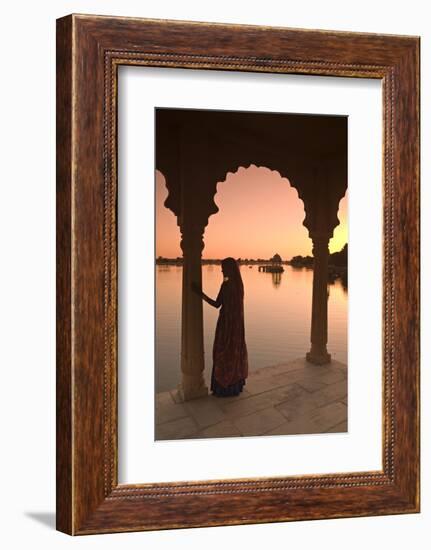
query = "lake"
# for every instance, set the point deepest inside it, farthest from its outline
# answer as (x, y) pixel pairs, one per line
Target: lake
(277, 311)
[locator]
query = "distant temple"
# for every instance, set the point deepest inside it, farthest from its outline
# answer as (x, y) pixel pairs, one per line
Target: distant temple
(276, 259)
(274, 265)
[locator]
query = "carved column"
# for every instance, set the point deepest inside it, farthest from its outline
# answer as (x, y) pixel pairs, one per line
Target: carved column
(319, 316)
(192, 338)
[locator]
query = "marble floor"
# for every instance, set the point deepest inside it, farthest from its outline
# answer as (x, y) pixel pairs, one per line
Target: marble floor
(292, 398)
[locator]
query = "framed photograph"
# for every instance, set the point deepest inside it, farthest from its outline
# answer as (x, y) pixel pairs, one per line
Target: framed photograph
(237, 274)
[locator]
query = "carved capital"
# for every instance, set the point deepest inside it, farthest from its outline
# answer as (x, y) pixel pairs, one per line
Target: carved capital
(192, 240)
(320, 243)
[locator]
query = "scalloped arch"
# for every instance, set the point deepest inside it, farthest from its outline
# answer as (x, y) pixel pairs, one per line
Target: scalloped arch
(246, 166)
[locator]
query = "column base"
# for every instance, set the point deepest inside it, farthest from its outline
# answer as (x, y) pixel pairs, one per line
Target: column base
(318, 357)
(188, 391)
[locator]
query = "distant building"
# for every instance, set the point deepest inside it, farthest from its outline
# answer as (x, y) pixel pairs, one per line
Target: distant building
(276, 259)
(274, 265)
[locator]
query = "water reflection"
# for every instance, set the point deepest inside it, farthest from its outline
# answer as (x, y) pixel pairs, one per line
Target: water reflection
(277, 318)
(276, 279)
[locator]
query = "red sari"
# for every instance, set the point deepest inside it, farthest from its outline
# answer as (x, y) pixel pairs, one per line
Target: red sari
(230, 360)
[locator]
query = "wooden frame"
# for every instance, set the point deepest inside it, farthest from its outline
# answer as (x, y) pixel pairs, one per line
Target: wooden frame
(89, 50)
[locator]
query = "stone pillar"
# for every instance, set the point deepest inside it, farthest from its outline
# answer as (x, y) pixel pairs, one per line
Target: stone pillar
(319, 317)
(192, 338)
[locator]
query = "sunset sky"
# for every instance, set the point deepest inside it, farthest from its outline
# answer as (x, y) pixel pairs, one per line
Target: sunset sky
(259, 215)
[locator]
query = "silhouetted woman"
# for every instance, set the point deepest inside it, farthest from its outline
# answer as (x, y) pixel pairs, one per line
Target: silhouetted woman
(230, 361)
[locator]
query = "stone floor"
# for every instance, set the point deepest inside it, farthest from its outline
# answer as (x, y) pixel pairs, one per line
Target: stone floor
(292, 398)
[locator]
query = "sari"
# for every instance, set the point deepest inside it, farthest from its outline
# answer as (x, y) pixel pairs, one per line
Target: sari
(230, 358)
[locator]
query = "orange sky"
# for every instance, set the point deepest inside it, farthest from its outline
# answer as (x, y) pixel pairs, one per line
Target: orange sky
(259, 215)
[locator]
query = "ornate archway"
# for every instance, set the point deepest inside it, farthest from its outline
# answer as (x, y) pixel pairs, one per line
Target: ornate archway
(195, 149)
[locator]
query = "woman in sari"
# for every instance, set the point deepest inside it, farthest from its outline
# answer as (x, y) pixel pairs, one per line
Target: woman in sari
(230, 361)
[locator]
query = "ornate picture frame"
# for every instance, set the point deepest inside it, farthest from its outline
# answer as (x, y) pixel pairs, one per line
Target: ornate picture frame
(89, 51)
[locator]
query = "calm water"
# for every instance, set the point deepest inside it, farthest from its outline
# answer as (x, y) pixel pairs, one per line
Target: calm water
(277, 318)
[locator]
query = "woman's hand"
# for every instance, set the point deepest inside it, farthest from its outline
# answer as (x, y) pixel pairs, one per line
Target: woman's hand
(197, 289)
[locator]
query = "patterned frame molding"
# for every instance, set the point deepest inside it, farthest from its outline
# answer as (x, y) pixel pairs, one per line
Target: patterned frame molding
(89, 51)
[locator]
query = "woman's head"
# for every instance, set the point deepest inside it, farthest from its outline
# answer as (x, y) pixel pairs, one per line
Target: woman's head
(231, 270)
